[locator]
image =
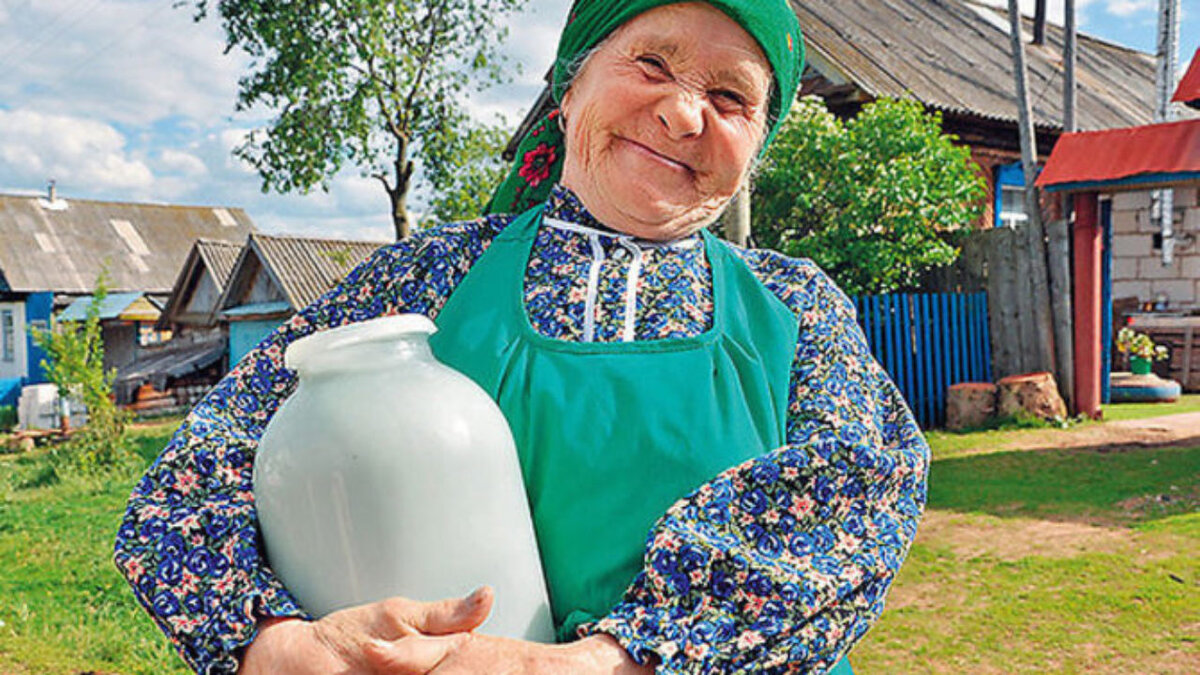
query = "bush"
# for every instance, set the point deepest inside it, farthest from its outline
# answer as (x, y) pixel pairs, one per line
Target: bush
(76, 367)
(8, 418)
(875, 201)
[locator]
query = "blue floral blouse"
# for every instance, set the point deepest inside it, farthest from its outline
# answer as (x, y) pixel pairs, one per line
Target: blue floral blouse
(800, 544)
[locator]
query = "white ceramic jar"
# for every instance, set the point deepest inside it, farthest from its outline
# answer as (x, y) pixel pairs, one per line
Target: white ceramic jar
(388, 473)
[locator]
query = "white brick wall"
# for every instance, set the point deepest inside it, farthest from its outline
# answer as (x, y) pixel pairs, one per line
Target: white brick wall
(1179, 291)
(1137, 265)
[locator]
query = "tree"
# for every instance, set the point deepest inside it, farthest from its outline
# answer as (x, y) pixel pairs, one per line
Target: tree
(75, 365)
(376, 84)
(467, 167)
(874, 201)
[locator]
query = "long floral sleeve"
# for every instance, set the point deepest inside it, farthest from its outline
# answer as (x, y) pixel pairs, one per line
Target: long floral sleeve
(782, 563)
(189, 543)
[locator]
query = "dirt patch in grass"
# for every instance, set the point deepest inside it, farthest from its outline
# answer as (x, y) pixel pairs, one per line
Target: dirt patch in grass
(1152, 506)
(972, 536)
(1169, 430)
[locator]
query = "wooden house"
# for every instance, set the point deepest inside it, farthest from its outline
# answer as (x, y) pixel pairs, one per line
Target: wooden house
(276, 276)
(52, 251)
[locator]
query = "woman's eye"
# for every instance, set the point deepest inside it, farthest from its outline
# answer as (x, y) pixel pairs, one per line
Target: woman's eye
(654, 63)
(729, 100)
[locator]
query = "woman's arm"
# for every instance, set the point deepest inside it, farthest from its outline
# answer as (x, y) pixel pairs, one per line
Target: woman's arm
(782, 563)
(189, 542)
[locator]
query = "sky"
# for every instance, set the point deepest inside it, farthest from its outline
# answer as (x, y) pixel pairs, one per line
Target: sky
(130, 100)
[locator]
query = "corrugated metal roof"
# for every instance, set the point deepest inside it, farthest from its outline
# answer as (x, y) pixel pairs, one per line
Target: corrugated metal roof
(1110, 155)
(61, 246)
(1189, 87)
(219, 257)
(113, 307)
(303, 267)
(957, 56)
(214, 257)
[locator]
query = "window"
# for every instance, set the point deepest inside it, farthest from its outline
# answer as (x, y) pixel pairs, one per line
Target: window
(147, 335)
(8, 335)
(1012, 206)
(1010, 195)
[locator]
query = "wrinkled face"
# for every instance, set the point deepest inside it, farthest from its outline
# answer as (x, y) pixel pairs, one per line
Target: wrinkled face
(665, 119)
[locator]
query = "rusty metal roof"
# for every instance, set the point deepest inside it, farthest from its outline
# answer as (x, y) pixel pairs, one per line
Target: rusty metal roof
(61, 246)
(303, 268)
(956, 56)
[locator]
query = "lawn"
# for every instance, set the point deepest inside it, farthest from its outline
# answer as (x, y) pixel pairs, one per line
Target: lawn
(1043, 560)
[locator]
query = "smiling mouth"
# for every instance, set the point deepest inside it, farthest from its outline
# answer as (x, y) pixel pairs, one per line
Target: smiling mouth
(661, 158)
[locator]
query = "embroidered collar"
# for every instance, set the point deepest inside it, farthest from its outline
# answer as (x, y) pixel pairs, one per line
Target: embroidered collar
(564, 211)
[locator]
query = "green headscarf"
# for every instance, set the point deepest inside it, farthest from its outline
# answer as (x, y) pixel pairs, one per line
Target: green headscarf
(539, 158)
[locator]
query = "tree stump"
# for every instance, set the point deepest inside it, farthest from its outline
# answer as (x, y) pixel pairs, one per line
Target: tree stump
(970, 404)
(1034, 393)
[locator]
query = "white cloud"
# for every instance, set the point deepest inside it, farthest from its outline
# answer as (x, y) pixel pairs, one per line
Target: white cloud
(80, 152)
(1130, 7)
(125, 61)
(177, 161)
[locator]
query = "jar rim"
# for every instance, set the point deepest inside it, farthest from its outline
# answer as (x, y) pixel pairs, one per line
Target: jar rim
(382, 329)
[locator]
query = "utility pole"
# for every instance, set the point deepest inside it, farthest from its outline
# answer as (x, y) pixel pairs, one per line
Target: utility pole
(736, 219)
(1164, 80)
(1039, 23)
(1042, 353)
(1069, 59)
(1058, 235)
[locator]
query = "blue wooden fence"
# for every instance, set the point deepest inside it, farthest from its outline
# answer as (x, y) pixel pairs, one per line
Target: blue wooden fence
(928, 342)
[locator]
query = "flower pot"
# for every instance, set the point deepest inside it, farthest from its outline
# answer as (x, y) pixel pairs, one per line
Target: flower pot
(1139, 365)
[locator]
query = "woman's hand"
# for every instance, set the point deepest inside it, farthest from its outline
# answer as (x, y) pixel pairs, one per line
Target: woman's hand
(396, 636)
(487, 655)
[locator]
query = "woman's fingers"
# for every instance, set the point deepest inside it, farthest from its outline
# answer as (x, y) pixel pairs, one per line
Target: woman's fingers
(412, 655)
(453, 615)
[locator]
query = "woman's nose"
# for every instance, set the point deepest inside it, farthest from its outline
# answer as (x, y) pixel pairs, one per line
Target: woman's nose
(682, 113)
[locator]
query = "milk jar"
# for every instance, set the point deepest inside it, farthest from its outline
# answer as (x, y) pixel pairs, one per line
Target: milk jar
(388, 473)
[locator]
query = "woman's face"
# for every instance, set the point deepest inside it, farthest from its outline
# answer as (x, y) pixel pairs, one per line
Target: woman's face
(665, 119)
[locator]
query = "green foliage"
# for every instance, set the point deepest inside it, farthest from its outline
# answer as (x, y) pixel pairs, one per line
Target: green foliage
(874, 201)
(75, 365)
(374, 84)
(8, 418)
(463, 168)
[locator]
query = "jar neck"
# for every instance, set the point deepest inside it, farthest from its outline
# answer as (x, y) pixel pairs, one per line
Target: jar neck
(367, 356)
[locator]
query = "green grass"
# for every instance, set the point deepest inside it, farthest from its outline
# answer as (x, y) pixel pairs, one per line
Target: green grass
(1048, 561)
(64, 606)
(1083, 484)
(1128, 411)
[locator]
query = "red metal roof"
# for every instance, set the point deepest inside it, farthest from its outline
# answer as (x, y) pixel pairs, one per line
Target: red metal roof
(1189, 87)
(1113, 155)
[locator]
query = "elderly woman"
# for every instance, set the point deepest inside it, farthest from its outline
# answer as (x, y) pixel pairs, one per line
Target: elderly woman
(722, 479)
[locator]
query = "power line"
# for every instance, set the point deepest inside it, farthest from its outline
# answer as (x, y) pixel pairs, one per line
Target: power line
(49, 33)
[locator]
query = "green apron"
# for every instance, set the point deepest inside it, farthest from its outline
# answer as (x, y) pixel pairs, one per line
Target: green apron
(611, 434)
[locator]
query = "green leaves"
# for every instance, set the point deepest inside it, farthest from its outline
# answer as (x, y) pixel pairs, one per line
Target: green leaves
(359, 82)
(874, 201)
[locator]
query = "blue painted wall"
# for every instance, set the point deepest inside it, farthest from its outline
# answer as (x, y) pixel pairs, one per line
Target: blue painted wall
(245, 335)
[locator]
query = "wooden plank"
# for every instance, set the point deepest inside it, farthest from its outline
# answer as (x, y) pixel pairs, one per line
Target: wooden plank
(923, 358)
(939, 356)
(906, 328)
(1002, 299)
(1186, 380)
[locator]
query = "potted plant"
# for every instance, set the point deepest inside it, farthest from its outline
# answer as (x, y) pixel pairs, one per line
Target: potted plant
(1141, 349)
